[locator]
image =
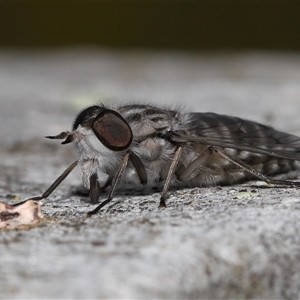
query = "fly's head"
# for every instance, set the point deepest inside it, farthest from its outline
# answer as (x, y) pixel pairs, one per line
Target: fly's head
(100, 130)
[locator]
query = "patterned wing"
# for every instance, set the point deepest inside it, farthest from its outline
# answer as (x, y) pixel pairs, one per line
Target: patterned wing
(232, 132)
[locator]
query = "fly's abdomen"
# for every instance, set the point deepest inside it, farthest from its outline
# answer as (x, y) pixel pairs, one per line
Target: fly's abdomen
(211, 168)
(260, 147)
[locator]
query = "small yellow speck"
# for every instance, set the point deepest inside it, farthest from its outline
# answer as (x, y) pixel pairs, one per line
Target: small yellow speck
(246, 194)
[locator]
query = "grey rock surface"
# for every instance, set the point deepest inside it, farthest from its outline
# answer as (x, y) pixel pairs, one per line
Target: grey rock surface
(240, 241)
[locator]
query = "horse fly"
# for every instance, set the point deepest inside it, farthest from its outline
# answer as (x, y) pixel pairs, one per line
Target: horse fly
(143, 144)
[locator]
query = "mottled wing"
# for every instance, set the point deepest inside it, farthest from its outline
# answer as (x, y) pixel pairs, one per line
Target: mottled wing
(232, 132)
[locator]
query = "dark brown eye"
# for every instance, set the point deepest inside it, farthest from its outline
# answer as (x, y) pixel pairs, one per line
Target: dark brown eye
(112, 130)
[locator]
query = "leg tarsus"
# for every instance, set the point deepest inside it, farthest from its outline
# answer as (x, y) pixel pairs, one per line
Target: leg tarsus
(94, 211)
(38, 198)
(284, 182)
(162, 203)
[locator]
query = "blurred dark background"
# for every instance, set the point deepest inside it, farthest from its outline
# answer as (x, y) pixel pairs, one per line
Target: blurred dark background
(178, 25)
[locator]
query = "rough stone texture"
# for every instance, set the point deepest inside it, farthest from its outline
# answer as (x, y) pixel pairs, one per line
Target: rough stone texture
(239, 241)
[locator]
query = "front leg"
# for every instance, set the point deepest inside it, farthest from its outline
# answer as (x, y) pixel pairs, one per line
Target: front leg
(95, 189)
(114, 186)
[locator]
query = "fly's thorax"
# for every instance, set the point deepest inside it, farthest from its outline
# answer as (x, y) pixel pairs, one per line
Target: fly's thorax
(146, 120)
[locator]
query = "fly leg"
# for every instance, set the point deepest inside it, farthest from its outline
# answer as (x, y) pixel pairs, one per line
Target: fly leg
(172, 169)
(107, 183)
(186, 173)
(114, 187)
(95, 189)
(256, 173)
(139, 167)
(53, 186)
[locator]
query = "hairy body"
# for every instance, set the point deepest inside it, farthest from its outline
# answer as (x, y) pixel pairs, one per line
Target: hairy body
(144, 144)
(155, 131)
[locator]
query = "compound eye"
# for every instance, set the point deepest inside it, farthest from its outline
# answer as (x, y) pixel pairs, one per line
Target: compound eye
(112, 130)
